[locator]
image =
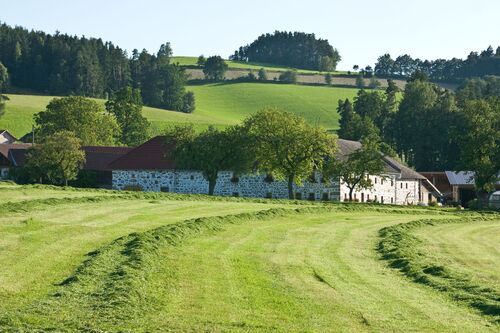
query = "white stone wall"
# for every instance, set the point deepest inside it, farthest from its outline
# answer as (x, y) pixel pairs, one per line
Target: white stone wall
(407, 192)
(250, 185)
(383, 191)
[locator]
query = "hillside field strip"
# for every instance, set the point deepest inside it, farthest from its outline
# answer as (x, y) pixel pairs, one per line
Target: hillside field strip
(220, 105)
(109, 261)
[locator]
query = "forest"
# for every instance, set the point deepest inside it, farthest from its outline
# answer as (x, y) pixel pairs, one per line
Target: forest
(456, 70)
(296, 50)
(60, 64)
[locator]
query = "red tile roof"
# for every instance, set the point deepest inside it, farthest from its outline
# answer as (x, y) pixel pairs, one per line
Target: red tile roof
(99, 158)
(152, 155)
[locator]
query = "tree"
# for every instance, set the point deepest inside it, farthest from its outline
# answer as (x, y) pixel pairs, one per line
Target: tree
(4, 78)
(211, 151)
(215, 68)
(287, 147)
(328, 78)
(360, 81)
(353, 169)
(384, 65)
(201, 61)
(57, 160)
(262, 74)
(374, 83)
(288, 77)
(189, 102)
(126, 106)
(355, 67)
(85, 117)
(480, 143)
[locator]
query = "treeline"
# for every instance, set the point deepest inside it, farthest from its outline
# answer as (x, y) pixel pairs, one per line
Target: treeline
(477, 64)
(432, 128)
(297, 50)
(60, 64)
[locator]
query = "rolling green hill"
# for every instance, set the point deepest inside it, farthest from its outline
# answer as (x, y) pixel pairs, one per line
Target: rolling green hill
(108, 261)
(191, 61)
(216, 104)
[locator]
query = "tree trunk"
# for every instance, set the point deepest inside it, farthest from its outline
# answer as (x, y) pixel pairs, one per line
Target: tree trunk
(482, 199)
(350, 193)
(65, 182)
(211, 186)
(291, 195)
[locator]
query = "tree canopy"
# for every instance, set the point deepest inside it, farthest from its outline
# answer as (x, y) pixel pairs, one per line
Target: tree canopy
(215, 68)
(82, 116)
(57, 160)
(296, 50)
(126, 106)
(288, 147)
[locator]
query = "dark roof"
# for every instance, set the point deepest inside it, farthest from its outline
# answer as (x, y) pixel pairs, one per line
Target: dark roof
(406, 172)
(96, 158)
(2, 131)
(152, 155)
(99, 158)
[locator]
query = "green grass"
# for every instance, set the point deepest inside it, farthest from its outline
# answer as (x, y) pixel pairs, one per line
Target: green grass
(191, 61)
(133, 262)
(217, 104)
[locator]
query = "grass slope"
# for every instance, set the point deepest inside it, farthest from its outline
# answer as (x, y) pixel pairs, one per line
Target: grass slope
(191, 61)
(217, 104)
(160, 262)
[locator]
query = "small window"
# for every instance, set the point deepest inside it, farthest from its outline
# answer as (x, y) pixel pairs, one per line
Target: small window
(345, 196)
(192, 177)
(392, 182)
(375, 199)
(298, 196)
(382, 199)
(236, 194)
(401, 185)
(392, 200)
(362, 197)
(406, 185)
(269, 195)
(164, 189)
(312, 196)
(382, 181)
(367, 197)
(375, 180)
(326, 196)
(269, 178)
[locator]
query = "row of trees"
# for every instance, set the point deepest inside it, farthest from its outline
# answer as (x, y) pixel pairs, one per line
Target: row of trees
(275, 142)
(297, 50)
(477, 64)
(432, 128)
(4, 81)
(60, 64)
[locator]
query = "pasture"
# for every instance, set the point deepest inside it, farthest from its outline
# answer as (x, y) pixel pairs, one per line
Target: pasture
(96, 260)
(217, 104)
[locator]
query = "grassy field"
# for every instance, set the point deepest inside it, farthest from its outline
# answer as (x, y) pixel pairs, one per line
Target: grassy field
(217, 104)
(134, 262)
(191, 61)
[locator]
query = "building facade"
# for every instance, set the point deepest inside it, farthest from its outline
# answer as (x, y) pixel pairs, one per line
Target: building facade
(146, 168)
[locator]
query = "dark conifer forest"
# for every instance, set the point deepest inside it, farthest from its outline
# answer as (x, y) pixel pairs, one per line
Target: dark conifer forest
(60, 64)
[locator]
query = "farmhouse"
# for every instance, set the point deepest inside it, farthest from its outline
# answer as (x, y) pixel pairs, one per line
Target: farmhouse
(97, 160)
(148, 168)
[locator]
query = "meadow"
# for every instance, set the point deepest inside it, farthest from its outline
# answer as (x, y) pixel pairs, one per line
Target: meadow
(216, 104)
(108, 261)
(192, 61)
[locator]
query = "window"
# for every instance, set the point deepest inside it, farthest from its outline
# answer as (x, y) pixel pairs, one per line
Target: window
(236, 194)
(298, 196)
(164, 189)
(382, 181)
(312, 196)
(367, 197)
(375, 198)
(326, 196)
(345, 196)
(192, 177)
(392, 200)
(269, 195)
(392, 182)
(375, 180)
(401, 185)
(362, 197)
(382, 199)
(406, 185)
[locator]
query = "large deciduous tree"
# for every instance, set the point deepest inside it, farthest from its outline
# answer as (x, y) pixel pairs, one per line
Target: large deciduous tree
(287, 146)
(126, 106)
(85, 117)
(480, 143)
(57, 160)
(215, 68)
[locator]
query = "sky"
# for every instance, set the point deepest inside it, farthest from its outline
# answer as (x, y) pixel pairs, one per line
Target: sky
(360, 30)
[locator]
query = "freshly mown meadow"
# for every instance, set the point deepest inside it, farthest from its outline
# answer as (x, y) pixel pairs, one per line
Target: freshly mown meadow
(108, 261)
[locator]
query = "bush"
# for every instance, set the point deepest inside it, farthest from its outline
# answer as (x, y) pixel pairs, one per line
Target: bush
(189, 102)
(473, 204)
(288, 77)
(360, 81)
(251, 76)
(433, 204)
(262, 74)
(328, 79)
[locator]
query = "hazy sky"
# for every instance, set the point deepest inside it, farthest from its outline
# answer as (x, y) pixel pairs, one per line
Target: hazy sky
(361, 30)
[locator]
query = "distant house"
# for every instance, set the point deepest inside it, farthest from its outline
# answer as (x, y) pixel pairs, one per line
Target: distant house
(148, 168)
(6, 137)
(456, 186)
(97, 160)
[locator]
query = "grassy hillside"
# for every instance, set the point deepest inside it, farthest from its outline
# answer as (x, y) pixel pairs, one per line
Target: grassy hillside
(217, 104)
(191, 61)
(122, 262)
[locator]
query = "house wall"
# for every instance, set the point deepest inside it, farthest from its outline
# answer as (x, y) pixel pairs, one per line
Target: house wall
(252, 185)
(407, 192)
(382, 191)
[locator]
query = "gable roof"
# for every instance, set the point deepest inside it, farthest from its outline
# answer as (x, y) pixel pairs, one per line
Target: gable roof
(151, 155)
(3, 131)
(6, 147)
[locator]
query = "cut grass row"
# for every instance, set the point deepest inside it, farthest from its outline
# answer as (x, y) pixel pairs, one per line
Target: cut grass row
(420, 249)
(161, 263)
(216, 104)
